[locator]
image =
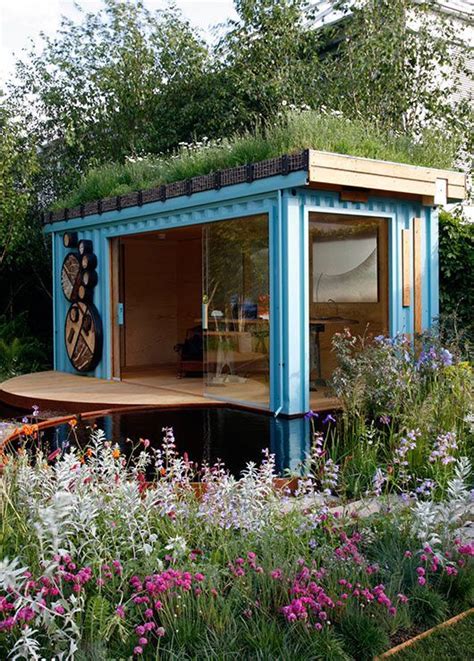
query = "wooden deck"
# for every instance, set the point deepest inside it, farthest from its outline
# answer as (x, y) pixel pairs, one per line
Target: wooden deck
(72, 393)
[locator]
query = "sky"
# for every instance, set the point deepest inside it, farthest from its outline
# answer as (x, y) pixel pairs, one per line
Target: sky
(21, 20)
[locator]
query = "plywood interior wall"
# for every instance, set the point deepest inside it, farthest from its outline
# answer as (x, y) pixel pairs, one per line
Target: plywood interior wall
(162, 295)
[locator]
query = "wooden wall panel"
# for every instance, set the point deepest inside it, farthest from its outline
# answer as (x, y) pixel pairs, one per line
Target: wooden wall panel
(406, 268)
(417, 275)
(150, 302)
(189, 284)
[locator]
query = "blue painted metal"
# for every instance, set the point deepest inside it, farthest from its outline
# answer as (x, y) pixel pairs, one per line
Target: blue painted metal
(288, 206)
(295, 324)
(433, 266)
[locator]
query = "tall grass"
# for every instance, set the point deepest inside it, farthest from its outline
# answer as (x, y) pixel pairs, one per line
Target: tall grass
(294, 131)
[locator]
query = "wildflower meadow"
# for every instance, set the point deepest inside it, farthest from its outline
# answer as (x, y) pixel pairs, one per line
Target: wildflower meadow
(145, 554)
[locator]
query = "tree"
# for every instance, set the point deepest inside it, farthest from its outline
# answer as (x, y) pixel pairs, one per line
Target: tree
(395, 62)
(18, 166)
(97, 90)
(270, 57)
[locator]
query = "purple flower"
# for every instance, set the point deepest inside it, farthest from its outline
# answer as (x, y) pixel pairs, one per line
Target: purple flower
(446, 357)
(328, 418)
(311, 414)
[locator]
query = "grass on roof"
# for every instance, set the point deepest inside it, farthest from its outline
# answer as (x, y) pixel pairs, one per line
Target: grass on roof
(295, 131)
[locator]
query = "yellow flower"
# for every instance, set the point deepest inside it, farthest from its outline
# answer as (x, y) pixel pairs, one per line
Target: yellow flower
(116, 453)
(73, 422)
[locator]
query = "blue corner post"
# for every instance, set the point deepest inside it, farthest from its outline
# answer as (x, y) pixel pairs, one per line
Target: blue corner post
(294, 304)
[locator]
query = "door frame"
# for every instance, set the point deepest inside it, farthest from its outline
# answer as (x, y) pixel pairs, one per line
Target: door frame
(117, 321)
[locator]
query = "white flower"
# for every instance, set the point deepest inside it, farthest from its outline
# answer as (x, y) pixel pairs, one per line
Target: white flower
(177, 545)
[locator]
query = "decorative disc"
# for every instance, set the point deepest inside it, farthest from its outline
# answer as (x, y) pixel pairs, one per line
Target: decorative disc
(71, 276)
(83, 336)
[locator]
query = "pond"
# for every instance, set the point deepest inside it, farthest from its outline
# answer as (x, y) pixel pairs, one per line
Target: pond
(205, 434)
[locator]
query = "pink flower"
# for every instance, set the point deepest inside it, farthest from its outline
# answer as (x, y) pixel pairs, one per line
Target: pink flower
(149, 613)
(199, 577)
(276, 574)
(140, 630)
(138, 650)
(421, 580)
(120, 611)
(60, 609)
(160, 632)
(420, 571)
(467, 549)
(408, 554)
(402, 598)
(143, 640)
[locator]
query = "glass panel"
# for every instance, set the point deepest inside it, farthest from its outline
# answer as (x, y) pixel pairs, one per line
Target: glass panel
(348, 285)
(345, 261)
(236, 306)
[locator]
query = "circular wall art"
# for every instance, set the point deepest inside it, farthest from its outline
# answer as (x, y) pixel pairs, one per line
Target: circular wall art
(83, 325)
(71, 276)
(83, 335)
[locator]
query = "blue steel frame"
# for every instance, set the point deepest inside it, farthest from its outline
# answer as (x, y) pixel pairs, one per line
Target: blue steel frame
(288, 204)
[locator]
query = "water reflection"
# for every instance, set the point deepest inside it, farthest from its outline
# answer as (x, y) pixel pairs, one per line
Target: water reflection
(235, 437)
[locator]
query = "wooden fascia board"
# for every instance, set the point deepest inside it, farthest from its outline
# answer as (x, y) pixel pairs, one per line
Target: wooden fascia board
(329, 168)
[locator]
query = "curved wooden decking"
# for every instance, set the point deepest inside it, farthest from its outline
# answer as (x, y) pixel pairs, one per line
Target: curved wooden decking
(72, 393)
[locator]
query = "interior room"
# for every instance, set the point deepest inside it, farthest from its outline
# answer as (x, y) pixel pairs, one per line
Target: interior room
(161, 284)
(196, 310)
(348, 257)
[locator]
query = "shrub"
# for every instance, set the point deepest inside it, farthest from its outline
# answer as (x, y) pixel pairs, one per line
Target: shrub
(19, 351)
(364, 638)
(456, 265)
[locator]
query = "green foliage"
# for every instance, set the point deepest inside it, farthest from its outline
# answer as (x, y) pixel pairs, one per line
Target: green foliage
(290, 132)
(392, 61)
(455, 643)
(98, 88)
(364, 638)
(456, 267)
(387, 388)
(427, 606)
(20, 352)
(18, 165)
(97, 616)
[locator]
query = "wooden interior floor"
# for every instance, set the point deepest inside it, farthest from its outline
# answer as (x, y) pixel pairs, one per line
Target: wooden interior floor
(139, 387)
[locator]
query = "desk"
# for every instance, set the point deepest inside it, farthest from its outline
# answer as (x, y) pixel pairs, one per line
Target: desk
(318, 324)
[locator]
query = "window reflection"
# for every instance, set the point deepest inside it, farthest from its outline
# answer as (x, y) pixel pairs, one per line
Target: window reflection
(236, 310)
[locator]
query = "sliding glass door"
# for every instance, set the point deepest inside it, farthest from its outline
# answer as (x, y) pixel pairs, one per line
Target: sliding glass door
(348, 257)
(236, 310)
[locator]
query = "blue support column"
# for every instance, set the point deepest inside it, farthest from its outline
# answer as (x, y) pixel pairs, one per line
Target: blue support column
(294, 305)
(431, 220)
